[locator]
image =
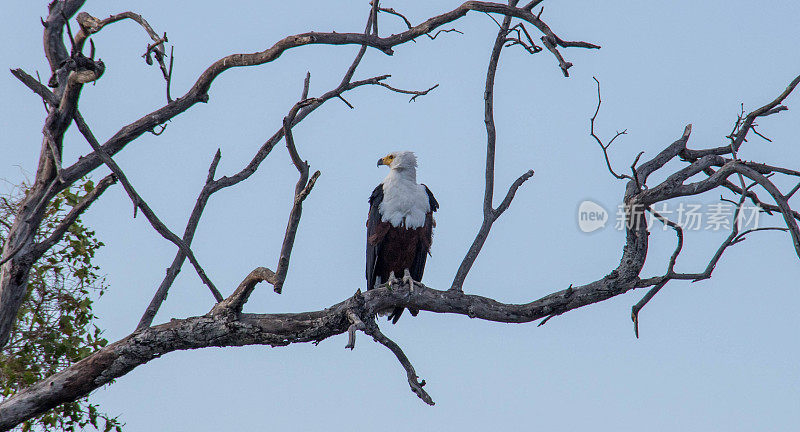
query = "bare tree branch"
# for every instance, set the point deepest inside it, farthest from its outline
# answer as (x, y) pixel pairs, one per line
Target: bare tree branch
(70, 73)
(745, 125)
(415, 93)
(91, 25)
(603, 146)
(532, 4)
(180, 256)
(638, 306)
(241, 329)
(301, 191)
(71, 217)
(199, 91)
(408, 23)
(413, 379)
(59, 12)
(236, 301)
(297, 113)
(527, 44)
(490, 214)
(357, 324)
(155, 222)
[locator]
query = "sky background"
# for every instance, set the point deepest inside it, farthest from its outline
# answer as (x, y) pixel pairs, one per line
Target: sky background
(716, 355)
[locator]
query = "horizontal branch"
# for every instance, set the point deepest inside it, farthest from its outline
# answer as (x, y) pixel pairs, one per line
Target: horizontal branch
(119, 358)
(415, 93)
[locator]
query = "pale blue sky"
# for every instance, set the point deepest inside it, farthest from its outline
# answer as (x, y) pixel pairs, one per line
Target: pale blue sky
(716, 355)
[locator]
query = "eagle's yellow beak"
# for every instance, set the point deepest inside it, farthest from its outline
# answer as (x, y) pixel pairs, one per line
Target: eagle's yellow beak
(386, 160)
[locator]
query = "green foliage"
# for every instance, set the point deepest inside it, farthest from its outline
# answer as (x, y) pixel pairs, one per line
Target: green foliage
(55, 325)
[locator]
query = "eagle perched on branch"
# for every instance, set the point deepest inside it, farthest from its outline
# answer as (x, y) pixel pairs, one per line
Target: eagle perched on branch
(400, 224)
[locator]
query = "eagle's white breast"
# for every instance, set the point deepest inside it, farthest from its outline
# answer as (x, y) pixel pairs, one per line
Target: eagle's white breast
(405, 203)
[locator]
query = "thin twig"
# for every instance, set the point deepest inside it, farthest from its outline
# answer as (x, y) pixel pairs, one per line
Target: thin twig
(451, 30)
(532, 4)
(302, 189)
(169, 73)
(415, 93)
(603, 146)
(398, 14)
(345, 101)
(528, 45)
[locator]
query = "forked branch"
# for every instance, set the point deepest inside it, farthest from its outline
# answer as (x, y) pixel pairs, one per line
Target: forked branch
(490, 214)
(718, 169)
(155, 222)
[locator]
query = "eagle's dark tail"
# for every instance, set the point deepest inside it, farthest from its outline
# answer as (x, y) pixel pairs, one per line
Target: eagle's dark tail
(395, 315)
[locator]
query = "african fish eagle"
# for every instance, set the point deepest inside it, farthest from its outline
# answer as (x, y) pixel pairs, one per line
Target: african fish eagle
(400, 224)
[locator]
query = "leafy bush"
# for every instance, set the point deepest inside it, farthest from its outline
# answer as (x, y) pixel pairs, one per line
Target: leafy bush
(55, 325)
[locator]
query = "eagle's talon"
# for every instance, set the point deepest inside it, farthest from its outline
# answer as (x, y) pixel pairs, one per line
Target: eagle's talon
(408, 280)
(392, 280)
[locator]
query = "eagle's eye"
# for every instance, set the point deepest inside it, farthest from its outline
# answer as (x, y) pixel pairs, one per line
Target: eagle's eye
(389, 157)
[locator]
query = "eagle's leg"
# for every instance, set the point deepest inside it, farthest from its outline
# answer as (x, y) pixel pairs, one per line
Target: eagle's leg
(393, 314)
(407, 279)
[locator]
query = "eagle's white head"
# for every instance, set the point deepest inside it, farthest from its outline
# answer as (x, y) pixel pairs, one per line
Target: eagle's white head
(405, 203)
(399, 160)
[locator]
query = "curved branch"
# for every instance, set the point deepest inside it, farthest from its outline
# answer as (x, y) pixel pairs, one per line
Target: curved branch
(199, 91)
(91, 25)
(413, 379)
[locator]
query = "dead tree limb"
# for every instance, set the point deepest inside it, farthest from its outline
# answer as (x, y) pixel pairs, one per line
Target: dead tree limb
(413, 380)
(155, 222)
(718, 168)
(490, 214)
(199, 91)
